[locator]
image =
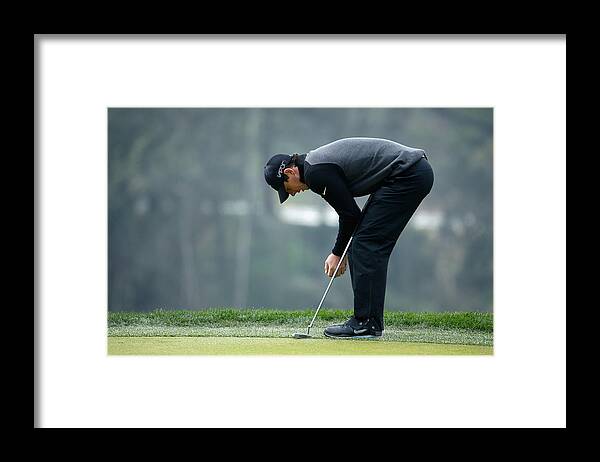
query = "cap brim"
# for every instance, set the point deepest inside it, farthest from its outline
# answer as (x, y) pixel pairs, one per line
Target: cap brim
(283, 194)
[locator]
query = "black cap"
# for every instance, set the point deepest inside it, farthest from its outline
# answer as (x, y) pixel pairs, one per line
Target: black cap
(274, 174)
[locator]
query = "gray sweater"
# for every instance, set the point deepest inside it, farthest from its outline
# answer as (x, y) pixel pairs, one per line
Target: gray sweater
(353, 167)
(365, 162)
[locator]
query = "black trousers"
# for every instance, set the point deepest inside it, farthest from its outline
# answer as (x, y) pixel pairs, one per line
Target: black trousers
(386, 214)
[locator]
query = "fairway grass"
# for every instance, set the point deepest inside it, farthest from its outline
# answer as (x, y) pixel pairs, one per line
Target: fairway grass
(268, 332)
(280, 346)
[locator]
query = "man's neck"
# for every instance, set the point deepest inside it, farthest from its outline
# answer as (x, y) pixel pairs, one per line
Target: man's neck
(301, 167)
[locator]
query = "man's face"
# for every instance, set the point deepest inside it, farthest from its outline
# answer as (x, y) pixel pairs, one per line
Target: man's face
(293, 185)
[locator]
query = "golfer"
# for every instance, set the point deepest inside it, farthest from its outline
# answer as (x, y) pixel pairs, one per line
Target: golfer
(396, 177)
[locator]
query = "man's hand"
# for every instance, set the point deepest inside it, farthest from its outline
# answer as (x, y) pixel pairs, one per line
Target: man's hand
(331, 264)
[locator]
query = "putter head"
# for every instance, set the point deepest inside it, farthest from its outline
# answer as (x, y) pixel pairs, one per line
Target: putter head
(301, 335)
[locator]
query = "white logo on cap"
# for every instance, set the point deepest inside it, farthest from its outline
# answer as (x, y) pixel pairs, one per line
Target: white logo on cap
(281, 167)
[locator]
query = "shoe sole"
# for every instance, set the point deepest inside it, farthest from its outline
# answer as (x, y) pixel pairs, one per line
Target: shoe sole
(350, 337)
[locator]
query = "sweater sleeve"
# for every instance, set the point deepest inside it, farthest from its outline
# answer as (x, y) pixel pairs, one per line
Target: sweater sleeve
(329, 182)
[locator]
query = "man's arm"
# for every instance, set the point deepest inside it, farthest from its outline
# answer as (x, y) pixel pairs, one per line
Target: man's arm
(329, 181)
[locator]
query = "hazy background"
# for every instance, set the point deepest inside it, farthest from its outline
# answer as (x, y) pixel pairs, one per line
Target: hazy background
(192, 223)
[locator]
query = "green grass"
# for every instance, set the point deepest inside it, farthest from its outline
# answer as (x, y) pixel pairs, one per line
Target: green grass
(280, 346)
(232, 317)
(268, 331)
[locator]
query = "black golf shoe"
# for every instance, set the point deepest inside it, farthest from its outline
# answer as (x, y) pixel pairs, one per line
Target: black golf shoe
(354, 328)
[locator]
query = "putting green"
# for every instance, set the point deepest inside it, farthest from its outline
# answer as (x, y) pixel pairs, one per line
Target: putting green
(281, 346)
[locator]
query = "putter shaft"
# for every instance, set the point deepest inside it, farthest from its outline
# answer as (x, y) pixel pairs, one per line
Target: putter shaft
(329, 285)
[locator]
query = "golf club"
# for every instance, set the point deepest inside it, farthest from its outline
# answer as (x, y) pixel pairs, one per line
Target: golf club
(300, 335)
(307, 335)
